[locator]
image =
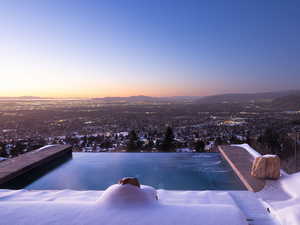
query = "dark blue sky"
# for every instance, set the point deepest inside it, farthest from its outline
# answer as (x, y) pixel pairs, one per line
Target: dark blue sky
(159, 48)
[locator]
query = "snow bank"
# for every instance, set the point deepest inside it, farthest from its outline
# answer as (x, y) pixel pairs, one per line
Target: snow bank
(282, 195)
(165, 196)
(290, 215)
(120, 195)
(291, 184)
(139, 207)
(47, 213)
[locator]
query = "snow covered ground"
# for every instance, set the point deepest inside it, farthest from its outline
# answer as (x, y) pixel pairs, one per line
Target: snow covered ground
(283, 195)
(173, 207)
(24, 207)
(128, 205)
(119, 204)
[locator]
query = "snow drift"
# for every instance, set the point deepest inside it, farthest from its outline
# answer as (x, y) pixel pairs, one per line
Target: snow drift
(119, 205)
(283, 195)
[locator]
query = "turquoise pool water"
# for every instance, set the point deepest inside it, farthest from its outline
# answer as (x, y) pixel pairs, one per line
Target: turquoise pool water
(173, 171)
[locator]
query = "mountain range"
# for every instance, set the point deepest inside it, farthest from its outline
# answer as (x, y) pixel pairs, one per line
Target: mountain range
(142, 98)
(221, 98)
(283, 100)
(263, 97)
(22, 97)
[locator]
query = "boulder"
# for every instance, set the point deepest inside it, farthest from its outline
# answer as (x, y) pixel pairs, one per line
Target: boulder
(130, 180)
(266, 167)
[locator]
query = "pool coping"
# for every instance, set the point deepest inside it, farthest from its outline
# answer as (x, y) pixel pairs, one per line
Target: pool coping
(14, 167)
(241, 162)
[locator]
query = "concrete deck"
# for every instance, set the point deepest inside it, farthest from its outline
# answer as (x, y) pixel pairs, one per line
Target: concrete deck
(19, 165)
(241, 161)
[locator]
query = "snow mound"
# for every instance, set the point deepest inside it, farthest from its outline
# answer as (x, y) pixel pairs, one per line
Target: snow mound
(128, 194)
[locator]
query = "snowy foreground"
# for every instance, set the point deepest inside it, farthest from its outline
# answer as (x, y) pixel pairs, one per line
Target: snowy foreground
(278, 203)
(125, 205)
(282, 196)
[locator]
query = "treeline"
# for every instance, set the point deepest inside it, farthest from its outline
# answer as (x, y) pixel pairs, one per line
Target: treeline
(286, 146)
(167, 143)
(15, 148)
(272, 141)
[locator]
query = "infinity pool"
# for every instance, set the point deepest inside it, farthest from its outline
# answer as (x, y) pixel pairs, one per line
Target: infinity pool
(173, 171)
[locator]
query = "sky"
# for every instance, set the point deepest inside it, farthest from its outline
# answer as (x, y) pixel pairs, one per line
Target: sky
(87, 48)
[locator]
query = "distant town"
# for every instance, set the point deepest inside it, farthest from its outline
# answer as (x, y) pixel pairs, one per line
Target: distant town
(268, 122)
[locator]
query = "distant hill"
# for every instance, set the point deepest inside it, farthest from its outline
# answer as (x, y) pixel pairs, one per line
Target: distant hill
(130, 98)
(266, 97)
(29, 97)
(289, 102)
(283, 100)
(22, 97)
(142, 98)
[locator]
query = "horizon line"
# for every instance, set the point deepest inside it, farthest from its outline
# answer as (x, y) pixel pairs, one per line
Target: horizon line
(140, 95)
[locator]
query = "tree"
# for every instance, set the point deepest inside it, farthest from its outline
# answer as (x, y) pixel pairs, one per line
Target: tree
(270, 139)
(167, 144)
(150, 145)
(199, 146)
(2, 150)
(132, 145)
(287, 147)
(106, 143)
(235, 140)
(248, 138)
(219, 141)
